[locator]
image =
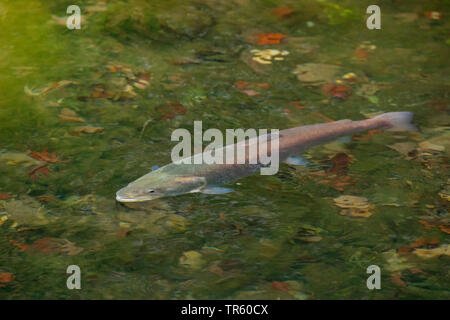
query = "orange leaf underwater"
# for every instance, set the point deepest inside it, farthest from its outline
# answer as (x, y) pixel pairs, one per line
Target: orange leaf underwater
(335, 91)
(282, 12)
(88, 129)
(336, 176)
(340, 163)
(6, 277)
(70, 115)
(419, 243)
(5, 196)
(361, 54)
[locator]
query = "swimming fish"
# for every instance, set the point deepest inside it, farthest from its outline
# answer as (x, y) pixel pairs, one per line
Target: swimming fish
(175, 178)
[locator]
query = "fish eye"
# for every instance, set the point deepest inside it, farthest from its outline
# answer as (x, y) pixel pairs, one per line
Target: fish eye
(151, 191)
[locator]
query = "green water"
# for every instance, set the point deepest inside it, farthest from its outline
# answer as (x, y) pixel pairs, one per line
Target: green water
(276, 236)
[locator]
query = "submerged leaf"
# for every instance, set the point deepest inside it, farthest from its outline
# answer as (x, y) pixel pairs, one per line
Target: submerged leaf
(182, 61)
(264, 38)
(432, 253)
(317, 73)
(250, 93)
(348, 201)
(432, 15)
(51, 87)
(39, 171)
(340, 162)
(426, 145)
(354, 206)
(14, 158)
(268, 55)
(358, 212)
(335, 91)
(396, 278)
(406, 17)
(361, 54)
(405, 148)
(192, 260)
(171, 110)
(45, 156)
(49, 245)
(241, 84)
(53, 245)
(26, 211)
(282, 12)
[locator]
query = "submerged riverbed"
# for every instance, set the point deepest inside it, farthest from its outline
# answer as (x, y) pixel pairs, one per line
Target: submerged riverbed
(85, 112)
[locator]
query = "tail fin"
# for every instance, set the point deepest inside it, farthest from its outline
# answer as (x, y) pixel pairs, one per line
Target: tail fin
(399, 121)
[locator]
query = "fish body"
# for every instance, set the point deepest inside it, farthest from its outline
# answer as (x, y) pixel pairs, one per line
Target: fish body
(181, 178)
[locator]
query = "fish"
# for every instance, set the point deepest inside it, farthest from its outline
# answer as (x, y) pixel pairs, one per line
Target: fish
(183, 178)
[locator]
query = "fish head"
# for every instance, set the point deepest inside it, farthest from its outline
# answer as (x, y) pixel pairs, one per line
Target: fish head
(155, 185)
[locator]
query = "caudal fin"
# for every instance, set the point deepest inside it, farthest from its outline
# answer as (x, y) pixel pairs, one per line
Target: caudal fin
(398, 121)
